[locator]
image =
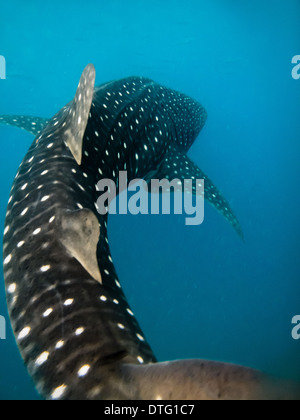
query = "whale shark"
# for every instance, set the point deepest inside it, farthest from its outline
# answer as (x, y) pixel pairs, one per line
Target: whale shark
(75, 330)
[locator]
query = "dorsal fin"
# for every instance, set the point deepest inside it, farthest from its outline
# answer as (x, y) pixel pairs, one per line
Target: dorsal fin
(80, 232)
(76, 121)
(71, 120)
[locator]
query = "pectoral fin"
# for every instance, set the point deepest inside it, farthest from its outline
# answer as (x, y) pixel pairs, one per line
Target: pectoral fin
(177, 165)
(33, 125)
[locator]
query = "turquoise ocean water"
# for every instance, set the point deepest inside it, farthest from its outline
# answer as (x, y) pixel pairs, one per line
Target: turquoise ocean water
(196, 291)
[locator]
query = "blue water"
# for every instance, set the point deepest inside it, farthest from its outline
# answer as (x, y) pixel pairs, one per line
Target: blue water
(196, 291)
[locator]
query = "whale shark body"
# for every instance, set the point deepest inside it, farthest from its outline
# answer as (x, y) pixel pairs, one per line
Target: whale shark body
(75, 330)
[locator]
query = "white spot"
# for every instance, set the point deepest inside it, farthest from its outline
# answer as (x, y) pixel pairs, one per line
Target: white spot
(12, 288)
(45, 268)
(52, 219)
(24, 211)
(42, 358)
(7, 259)
(79, 331)
(116, 301)
(83, 370)
(44, 172)
(130, 311)
(103, 298)
(37, 231)
(22, 334)
(118, 284)
(45, 198)
(121, 326)
(68, 302)
(47, 312)
(50, 145)
(58, 392)
(140, 337)
(20, 244)
(59, 344)
(6, 230)
(140, 359)
(24, 187)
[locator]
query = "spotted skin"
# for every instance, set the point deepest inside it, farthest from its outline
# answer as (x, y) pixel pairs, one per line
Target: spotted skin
(33, 125)
(77, 334)
(62, 318)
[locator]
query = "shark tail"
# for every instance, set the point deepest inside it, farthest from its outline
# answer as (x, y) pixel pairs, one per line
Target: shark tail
(205, 380)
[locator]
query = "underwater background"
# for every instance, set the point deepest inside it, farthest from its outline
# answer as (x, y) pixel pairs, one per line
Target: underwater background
(197, 291)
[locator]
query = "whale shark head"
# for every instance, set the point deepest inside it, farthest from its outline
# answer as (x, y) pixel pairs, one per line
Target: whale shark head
(75, 330)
